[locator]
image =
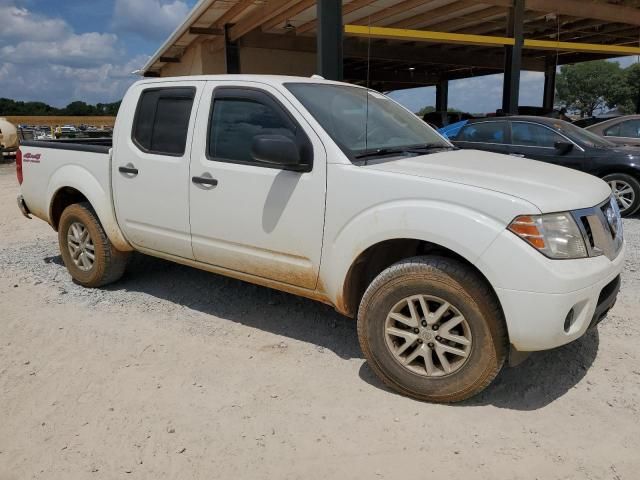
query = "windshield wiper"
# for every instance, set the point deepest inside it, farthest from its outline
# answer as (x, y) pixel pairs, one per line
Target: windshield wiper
(426, 147)
(380, 151)
(408, 149)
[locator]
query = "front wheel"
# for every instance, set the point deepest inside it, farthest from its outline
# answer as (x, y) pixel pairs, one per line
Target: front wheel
(86, 250)
(432, 329)
(626, 190)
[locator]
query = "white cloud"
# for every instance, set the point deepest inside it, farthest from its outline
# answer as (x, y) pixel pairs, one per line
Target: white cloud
(72, 50)
(42, 58)
(151, 19)
(20, 24)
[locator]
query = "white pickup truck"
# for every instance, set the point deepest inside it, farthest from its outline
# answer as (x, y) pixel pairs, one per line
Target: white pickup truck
(447, 258)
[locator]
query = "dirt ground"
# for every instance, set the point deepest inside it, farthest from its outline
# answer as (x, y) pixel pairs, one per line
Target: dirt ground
(175, 373)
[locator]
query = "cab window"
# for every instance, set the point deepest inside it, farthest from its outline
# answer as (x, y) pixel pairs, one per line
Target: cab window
(162, 118)
(484, 132)
(239, 115)
(532, 135)
(628, 129)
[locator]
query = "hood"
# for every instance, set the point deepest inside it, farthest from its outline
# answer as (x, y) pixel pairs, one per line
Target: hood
(549, 187)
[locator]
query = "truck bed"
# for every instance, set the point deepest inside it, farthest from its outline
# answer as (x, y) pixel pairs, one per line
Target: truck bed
(80, 164)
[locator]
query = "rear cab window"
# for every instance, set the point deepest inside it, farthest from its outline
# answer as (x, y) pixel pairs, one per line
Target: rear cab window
(161, 122)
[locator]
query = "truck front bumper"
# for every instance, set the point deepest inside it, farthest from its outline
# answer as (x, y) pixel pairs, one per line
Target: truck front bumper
(549, 303)
(23, 207)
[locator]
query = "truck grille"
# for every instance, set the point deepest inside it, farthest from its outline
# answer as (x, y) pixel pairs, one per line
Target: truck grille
(601, 228)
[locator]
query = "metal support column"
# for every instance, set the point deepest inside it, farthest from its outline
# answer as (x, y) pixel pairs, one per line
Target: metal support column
(329, 39)
(549, 83)
(442, 99)
(231, 52)
(513, 58)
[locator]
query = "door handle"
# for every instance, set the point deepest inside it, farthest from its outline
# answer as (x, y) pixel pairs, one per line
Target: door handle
(205, 180)
(128, 169)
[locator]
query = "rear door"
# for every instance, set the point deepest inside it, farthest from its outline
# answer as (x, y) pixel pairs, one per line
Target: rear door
(490, 135)
(537, 141)
(150, 175)
(255, 218)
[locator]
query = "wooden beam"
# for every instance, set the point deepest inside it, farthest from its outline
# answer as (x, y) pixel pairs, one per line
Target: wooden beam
(583, 8)
(234, 12)
(297, 9)
(438, 14)
(491, 26)
(269, 10)
(169, 59)
(346, 9)
(206, 31)
(480, 17)
(401, 7)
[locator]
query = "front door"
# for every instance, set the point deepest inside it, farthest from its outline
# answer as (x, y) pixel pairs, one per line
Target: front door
(532, 140)
(247, 216)
(150, 168)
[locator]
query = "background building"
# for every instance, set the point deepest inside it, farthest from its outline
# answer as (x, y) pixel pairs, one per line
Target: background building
(392, 44)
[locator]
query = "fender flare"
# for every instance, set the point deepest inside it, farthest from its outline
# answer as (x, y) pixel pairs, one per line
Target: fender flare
(465, 231)
(80, 179)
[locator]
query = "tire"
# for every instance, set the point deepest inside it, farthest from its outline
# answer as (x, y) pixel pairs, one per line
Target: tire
(622, 182)
(108, 264)
(434, 279)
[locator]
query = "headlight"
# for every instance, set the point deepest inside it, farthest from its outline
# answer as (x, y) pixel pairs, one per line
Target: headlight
(556, 235)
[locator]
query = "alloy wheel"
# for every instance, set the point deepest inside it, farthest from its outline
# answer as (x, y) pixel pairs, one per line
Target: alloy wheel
(81, 246)
(624, 193)
(428, 335)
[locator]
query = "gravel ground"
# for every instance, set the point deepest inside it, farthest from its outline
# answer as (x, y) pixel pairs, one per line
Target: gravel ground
(177, 373)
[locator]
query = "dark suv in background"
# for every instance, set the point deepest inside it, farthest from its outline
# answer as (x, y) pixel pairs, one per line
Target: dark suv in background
(556, 141)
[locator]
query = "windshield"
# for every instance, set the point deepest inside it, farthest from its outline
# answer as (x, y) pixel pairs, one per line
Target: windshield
(582, 136)
(366, 123)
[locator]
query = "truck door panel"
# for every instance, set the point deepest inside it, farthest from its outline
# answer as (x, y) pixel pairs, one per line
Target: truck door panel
(150, 172)
(255, 218)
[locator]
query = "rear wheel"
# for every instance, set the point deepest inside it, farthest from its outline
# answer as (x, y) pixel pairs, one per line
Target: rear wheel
(626, 190)
(86, 250)
(432, 329)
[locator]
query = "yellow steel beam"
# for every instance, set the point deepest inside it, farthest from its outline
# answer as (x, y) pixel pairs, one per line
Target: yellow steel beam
(484, 40)
(581, 47)
(426, 36)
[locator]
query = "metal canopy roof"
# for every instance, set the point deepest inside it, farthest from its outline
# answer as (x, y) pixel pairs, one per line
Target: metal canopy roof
(406, 61)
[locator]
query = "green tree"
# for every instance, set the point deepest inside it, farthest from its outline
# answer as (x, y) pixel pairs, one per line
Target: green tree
(631, 102)
(79, 108)
(591, 86)
(426, 109)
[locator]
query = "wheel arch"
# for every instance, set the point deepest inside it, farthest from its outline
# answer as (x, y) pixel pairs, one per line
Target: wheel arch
(74, 184)
(380, 256)
(624, 169)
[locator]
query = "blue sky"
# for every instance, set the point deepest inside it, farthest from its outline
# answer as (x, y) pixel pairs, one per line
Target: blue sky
(58, 51)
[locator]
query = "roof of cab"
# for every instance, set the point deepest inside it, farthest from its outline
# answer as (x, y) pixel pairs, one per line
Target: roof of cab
(265, 79)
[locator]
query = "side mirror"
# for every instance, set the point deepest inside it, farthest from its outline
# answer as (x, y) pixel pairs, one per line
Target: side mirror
(276, 150)
(563, 147)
